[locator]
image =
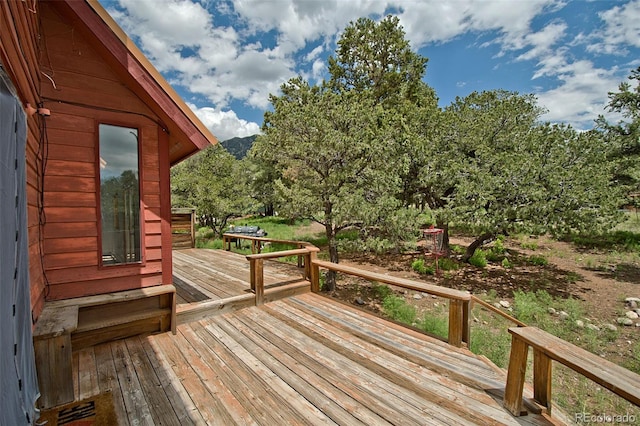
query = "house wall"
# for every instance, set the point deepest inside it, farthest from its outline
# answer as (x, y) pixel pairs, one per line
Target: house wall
(82, 91)
(19, 53)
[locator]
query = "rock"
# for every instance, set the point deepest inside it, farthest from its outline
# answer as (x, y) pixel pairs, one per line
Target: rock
(563, 315)
(627, 321)
(611, 327)
(579, 323)
(552, 311)
(417, 296)
(497, 305)
(632, 299)
(633, 304)
(359, 301)
(631, 315)
(425, 294)
(620, 320)
(505, 303)
(436, 304)
(434, 297)
(593, 327)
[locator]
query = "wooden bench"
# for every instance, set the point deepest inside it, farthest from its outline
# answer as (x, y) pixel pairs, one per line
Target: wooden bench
(52, 346)
(72, 324)
(546, 348)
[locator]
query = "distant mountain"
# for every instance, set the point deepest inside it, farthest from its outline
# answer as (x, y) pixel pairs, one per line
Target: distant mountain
(238, 147)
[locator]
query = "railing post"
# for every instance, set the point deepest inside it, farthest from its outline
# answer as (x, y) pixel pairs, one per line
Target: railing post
(466, 325)
(456, 322)
(314, 273)
(542, 379)
(256, 267)
(515, 376)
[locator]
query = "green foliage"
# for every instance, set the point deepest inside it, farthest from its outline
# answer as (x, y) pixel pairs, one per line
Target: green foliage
(507, 173)
(495, 344)
(617, 240)
(625, 135)
(457, 249)
(479, 259)
(214, 183)
(398, 310)
(437, 324)
(537, 260)
(422, 268)
(448, 264)
(399, 70)
(381, 291)
(532, 308)
(506, 264)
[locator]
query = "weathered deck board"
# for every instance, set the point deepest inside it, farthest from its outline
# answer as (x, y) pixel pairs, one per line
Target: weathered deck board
(302, 360)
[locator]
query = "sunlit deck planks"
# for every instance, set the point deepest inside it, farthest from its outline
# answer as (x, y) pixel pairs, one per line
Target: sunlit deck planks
(302, 360)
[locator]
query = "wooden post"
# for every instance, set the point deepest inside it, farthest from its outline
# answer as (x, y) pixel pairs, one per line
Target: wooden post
(193, 228)
(466, 325)
(256, 267)
(456, 317)
(314, 272)
(542, 379)
(515, 376)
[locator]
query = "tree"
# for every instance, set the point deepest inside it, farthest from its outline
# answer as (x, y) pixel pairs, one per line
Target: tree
(507, 173)
(376, 57)
(213, 182)
(376, 60)
(331, 152)
(626, 133)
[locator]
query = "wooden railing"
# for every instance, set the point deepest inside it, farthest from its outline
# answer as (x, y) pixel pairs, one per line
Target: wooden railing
(546, 347)
(459, 301)
(256, 267)
(257, 243)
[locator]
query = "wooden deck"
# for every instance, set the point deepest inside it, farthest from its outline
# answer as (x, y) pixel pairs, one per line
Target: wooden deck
(306, 359)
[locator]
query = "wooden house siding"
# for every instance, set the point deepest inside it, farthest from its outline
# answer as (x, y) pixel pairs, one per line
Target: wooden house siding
(71, 58)
(84, 93)
(19, 52)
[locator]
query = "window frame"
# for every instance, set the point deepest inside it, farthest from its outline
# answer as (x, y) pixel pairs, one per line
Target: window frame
(141, 262)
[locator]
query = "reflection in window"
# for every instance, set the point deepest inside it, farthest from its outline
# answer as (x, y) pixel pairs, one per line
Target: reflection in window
(119, 195)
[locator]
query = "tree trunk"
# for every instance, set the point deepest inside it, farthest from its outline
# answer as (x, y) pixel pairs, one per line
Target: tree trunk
(330, 277)
(482, 239)
(445, 237)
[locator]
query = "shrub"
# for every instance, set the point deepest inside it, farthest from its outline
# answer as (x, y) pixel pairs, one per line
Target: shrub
(538, 260)
(382, 291)
(479, 258)
(437, 325)
(448, 264)
(398, 310)
(506, 264)
(420, 267)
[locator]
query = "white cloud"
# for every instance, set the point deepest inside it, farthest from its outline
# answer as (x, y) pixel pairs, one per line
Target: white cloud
(440, 21)
(581, 95)
(622, 29)
(225, 124)
(233, 61)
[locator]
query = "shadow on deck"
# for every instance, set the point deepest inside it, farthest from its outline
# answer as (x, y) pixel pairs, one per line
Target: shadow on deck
(304, 359)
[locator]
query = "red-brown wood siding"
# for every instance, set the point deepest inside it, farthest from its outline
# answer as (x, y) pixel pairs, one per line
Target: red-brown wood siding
(19, 53)
(84, 93)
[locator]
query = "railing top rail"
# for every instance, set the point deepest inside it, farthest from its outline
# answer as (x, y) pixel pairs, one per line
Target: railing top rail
(283, 253)
(268, 240)
(435, 290)
(498, 311)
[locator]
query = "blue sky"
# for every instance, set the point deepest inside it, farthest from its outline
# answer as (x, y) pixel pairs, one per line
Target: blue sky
(226, 57)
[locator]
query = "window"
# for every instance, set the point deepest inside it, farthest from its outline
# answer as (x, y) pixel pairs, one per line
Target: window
(119, 195)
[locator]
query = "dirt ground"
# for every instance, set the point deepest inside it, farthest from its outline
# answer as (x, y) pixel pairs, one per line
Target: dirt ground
(601, 280)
